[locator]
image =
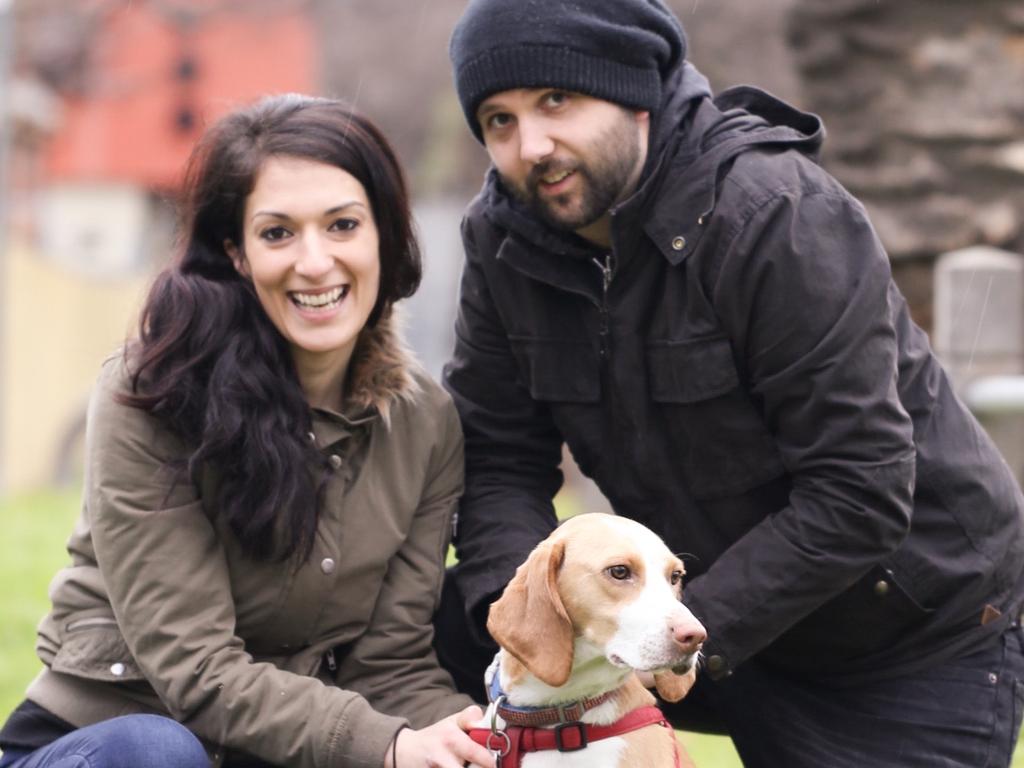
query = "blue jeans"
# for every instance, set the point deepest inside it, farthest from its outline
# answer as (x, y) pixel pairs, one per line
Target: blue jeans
(965, 713)
(132, 741)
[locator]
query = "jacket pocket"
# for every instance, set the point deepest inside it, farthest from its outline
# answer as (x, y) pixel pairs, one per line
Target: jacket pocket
(93, 648)
(869, 617)
(691, 370)
(720, 441)
(558, 371)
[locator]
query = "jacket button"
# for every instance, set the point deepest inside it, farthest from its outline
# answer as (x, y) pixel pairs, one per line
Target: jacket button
(335, 461)
(881, 587)
(678, 243)
(117, 669)
(327, 565)
(312, 437)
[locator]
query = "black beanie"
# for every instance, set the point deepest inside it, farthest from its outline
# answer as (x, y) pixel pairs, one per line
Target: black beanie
(616, 50)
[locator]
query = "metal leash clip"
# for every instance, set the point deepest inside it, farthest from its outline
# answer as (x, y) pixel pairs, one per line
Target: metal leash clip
(498, 742)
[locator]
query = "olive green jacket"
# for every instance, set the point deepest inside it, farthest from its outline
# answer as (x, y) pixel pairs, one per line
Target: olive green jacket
(160, 611)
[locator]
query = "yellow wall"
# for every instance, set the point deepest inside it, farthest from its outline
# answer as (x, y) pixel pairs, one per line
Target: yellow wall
(57, 330)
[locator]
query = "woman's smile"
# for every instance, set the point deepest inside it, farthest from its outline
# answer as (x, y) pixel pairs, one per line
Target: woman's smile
(311, 249)
(319, 303)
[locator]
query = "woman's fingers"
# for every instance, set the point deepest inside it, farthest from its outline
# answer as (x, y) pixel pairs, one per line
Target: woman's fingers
(470, 717)
(467, 749)
(471, 752)
(444, 744)
(475, 754)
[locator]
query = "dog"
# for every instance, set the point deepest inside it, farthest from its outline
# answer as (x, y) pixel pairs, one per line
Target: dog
(595, 602)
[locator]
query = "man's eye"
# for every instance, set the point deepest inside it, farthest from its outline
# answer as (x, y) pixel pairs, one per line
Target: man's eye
(677, 577)
(557, 98)
(499, 121)
(273, 234)
(619, 572)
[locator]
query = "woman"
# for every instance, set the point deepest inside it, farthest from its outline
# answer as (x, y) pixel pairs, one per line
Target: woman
(269, 485)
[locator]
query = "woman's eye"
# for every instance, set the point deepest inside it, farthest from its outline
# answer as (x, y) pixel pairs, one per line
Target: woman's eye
(273, 234)
(344, 225)
(619, 572)
(677, 578)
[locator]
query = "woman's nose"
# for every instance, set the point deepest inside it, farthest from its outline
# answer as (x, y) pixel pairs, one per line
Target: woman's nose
(315, 260)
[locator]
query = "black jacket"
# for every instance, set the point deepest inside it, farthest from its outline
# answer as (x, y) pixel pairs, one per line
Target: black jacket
(740, 374)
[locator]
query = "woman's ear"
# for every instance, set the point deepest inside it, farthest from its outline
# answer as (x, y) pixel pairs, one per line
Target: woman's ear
(237, 258)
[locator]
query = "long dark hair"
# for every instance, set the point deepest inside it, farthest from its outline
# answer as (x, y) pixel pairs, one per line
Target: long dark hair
(210, 365)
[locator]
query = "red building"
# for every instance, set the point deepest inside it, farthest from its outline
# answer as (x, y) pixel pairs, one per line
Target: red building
(118, 91)
(157, 71)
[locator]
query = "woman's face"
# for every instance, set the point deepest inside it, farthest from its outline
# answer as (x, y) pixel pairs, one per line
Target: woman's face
(310, 245)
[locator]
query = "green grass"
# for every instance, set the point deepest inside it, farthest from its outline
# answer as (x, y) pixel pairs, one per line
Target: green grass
(35, 529)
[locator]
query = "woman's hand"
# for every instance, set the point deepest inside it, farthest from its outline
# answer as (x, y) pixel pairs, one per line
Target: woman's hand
(444, 744)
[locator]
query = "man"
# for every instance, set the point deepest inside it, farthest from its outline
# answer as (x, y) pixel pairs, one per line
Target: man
(669, 284)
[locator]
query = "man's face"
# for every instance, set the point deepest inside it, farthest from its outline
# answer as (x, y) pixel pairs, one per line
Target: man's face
(570, 158)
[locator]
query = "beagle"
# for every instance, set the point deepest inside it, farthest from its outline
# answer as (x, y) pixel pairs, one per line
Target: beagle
(594, 602)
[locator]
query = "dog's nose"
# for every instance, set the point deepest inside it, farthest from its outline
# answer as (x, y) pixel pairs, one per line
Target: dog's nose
(688, 635)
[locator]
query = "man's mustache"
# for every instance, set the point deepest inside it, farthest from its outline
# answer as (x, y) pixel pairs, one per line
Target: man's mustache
(548, 167)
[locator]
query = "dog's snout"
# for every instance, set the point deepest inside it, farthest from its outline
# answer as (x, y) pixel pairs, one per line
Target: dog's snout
(688, 635)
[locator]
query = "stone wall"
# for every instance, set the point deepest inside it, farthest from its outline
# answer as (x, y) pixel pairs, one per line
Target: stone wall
(925, 107)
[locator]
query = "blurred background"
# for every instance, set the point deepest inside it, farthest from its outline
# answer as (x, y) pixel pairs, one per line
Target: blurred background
(101, 100)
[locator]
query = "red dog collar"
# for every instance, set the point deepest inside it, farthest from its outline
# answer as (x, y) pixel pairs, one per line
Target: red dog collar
(512, 742)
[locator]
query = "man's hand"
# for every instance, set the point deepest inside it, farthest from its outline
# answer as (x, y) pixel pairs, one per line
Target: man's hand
(444, 744)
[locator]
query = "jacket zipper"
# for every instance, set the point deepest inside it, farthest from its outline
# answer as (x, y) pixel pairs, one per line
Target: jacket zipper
(607, 267)
(332, 663)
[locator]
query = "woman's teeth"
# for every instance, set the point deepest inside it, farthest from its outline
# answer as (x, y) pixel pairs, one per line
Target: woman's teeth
(324, 300)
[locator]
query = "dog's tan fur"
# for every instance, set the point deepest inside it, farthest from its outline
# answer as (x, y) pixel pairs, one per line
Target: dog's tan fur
(557, 598)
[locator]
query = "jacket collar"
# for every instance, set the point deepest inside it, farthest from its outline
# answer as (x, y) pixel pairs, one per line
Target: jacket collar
(380, 376)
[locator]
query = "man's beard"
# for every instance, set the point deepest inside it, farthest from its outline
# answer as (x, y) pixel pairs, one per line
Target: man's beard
(613, 159)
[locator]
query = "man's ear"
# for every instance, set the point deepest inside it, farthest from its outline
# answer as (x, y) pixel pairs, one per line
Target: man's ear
(237, 258)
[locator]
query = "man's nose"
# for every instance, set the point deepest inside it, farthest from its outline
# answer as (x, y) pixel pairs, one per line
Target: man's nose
(535, 143)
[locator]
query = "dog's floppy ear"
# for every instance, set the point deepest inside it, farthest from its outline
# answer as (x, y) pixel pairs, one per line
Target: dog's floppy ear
(529, 620)
(672, 687)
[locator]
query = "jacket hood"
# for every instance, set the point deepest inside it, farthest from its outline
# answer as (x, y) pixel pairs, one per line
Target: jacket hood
(686, 87)
(381, 371)
(738, 120)
(692, 136)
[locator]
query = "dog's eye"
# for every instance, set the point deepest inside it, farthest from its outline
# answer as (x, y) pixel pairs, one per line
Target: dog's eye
(619, 572)
(677, 577)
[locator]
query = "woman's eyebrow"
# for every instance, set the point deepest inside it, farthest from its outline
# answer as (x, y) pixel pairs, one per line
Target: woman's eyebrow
(328, 212)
